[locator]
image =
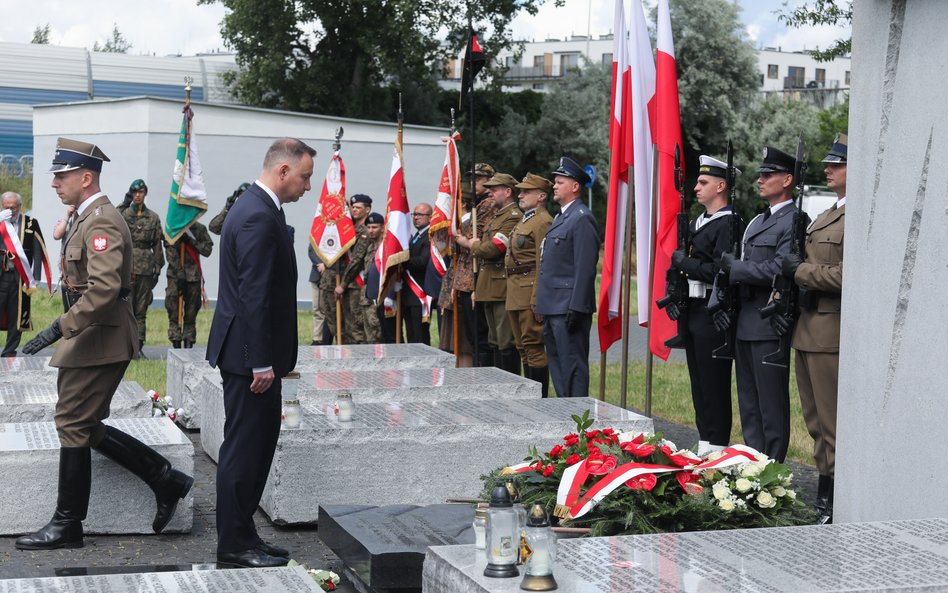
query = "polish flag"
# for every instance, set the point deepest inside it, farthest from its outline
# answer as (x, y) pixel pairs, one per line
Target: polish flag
(446, 201)
(393, 249)
(667, 137)
(332, 232)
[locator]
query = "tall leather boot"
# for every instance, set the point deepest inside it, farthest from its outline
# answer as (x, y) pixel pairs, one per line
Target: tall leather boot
(510, 360)
(75, 482)
(175, 343)
(188, 344)
(822, 494)
(141, 349)
(169, 485)
(542, 376)
(826, 514)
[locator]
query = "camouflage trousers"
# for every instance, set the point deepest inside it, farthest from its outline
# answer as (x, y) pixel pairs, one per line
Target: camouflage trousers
(142, 296)
(371, 323)
(192, 304)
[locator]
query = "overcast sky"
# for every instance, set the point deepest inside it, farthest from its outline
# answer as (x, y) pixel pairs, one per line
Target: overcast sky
(164, 27)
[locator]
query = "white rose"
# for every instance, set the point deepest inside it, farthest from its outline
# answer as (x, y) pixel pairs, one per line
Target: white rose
(751, 470)
(765, 500)
(726, 505)
(743, 485)
(168, 399)
(180, 411)
(779, 491)
(669, 444)
(157, 413)
(791, 494)
(720, 491)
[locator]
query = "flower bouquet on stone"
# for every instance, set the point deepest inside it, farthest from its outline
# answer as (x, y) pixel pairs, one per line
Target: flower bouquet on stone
(163, 406)
(616, 482)
(326, 579)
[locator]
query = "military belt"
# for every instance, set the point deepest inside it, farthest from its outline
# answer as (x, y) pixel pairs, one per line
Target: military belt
(521, 269)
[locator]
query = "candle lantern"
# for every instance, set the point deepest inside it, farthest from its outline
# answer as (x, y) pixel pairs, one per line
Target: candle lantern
(502, 536)
(541, 543)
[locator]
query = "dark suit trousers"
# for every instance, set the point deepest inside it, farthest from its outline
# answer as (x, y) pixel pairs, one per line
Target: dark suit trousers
(710, 377)
(416, 331)
(763, 397)
(9, 292)
(568, 355)
(251, 431)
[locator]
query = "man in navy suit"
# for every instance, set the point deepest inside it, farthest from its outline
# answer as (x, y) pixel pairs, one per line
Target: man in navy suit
(763, 391)
(566, 287)
(417, 328)
(253, 341)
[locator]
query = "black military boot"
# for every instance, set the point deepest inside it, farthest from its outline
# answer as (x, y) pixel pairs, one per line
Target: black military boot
(65, 528)
(141, 349)
(169, 485)
(188, 344)
(826, 512)
(822, 494)
(175, 343)
(510, 360)
(540, 375)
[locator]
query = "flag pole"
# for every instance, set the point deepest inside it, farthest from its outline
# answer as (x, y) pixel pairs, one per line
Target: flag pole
(626, 293)
(336, 145)
(401, 158)
(455, 215)
(651, 276)
(475, 343)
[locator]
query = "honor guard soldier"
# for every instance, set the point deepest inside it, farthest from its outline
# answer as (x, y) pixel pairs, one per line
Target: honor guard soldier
(566, 289)
(217, 223)
(763, 391)
(816, 334)
(491, 289)
(351, 289)
(710, 236)
(148, 256)
(523, 266)
(22, 243)
(99, 340)
(184, 293)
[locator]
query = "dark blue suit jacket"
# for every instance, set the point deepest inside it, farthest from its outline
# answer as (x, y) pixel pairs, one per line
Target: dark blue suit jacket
(567, 280)
(254, 323)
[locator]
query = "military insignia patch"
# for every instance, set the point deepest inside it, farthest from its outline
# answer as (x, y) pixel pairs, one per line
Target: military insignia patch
(100, 243)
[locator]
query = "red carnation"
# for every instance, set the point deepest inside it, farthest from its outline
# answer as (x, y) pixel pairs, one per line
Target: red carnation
(574, 458)
(556, 451)
(608, 431)
(598, 464)
(592, 434)
(571, 439)
(644, 482)
(547, 471)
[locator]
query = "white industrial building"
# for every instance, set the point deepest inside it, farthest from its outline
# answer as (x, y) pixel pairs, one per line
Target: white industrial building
(140, 136)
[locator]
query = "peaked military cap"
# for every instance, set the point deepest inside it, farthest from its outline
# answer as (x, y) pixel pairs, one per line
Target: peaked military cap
(75, 154)
(569, 168)
(137, 185)
(711, 166)
(838, 152)
(531, 181)
(776, 161)
(361, 199)
(483, 170)
(243, 187)
(374, 218)
(501, 179)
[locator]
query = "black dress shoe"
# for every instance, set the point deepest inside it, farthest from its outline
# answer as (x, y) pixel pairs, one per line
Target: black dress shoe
(250, 559)
(272, 550)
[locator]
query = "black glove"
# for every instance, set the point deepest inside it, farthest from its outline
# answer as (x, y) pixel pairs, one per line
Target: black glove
(232, 198)
(128, 200)
(154, 280)
(791, 262)
(678, 256)
(182, 284)
(724, 262)
(44, 338)
(722, 320)
(572, 321)
(671, 309)
(780, 324)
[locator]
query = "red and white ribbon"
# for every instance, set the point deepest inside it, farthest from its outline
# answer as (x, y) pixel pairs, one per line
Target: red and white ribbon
(20, 262)
(419, 292)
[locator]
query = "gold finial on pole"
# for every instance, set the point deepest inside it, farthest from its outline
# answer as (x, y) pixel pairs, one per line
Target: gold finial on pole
(187, 89)
(337, 144)
(453, 128)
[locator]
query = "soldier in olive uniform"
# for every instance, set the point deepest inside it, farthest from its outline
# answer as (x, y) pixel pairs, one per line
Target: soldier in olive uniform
(491, 287)
(148, 255)
(523, 265)
(183, 298)
(217, 223)
(367, 309)
(99, 340)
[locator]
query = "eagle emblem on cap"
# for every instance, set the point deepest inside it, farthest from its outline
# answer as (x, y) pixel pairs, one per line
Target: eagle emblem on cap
(765, 152)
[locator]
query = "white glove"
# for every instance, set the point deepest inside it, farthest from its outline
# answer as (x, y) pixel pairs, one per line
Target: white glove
(390, 303)
(6, 215)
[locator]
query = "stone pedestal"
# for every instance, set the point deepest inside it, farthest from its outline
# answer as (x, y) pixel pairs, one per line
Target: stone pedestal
(893, 340)
(186, 367)
(418, 452)
(857, 557)
(245, 580)
(119, 503)
(13, 367)
(28, 399)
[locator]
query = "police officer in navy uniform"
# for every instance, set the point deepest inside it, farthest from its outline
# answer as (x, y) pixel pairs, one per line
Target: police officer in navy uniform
(763, 391)
(566, 292)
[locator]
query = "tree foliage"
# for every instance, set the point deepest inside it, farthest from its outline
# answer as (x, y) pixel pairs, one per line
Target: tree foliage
(351, 58)
(41, 34)
(823, 12)
(116, 44)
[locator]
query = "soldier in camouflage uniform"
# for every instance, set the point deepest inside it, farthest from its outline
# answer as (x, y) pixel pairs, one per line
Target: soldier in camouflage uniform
(185, 281)
(348, 268)
(147, 254)
(371, 325)
(217, 223)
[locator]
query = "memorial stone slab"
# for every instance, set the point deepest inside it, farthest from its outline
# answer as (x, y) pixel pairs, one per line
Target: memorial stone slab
(35, 401)
(246, 580)
(384, 547)
(119, 502)
(13, 368)
(186, 367)
(903, 556)
(417, 452)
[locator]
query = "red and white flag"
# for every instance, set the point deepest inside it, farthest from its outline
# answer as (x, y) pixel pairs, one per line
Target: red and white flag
(643, 105)
(393, 250)
(617, 206)
(333, 232)
(446, 201)
(667, 137)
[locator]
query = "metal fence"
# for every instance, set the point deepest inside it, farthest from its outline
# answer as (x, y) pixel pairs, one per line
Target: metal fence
(14, 166)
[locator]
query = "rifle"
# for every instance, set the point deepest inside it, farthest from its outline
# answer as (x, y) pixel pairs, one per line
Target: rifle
(725, 297)
(676, 281)
(785, 299)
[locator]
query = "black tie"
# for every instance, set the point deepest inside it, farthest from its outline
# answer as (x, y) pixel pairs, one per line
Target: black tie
(766, 213)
